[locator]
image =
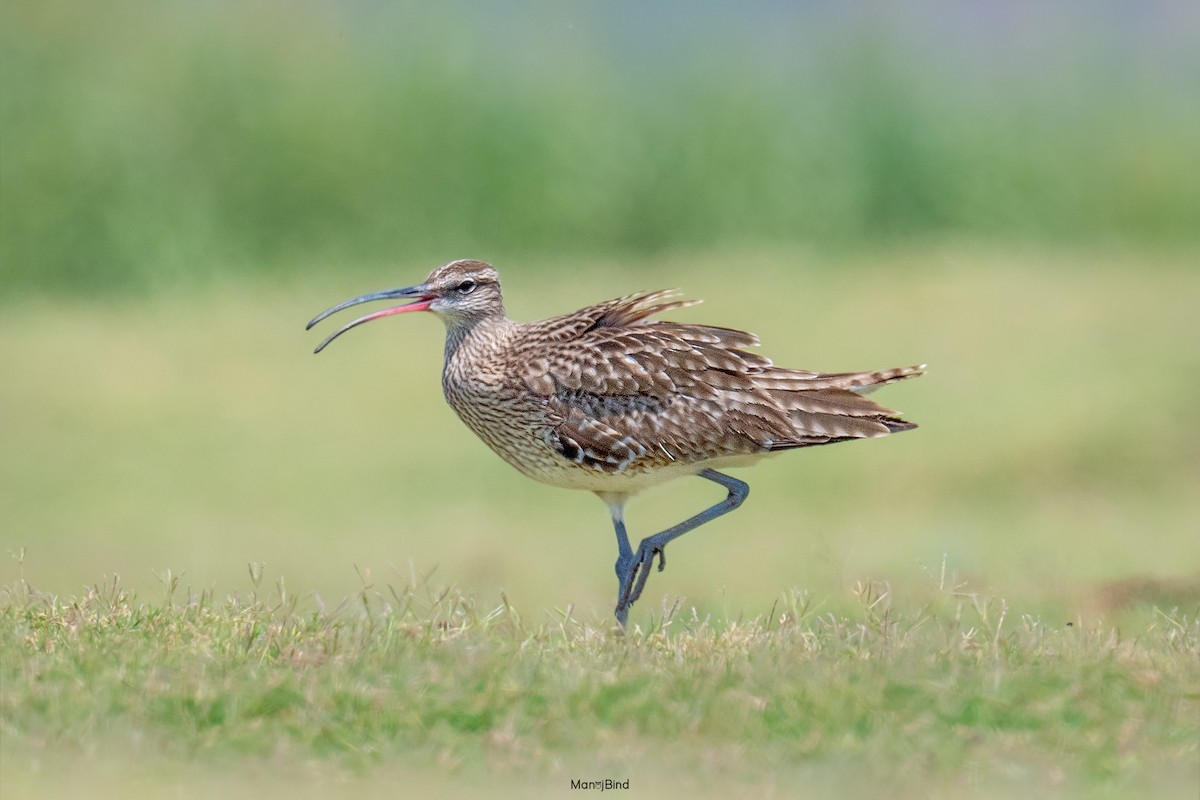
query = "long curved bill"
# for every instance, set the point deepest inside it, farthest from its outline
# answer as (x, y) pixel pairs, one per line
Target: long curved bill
(421, 298)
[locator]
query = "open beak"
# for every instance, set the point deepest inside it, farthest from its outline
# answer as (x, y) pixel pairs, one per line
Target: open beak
(420, 296)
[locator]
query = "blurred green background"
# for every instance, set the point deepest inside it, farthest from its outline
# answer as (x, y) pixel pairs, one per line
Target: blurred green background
(145, 143)
(1007, 191)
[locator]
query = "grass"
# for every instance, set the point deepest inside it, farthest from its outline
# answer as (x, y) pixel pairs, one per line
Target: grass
(812, 639)
(961, 696)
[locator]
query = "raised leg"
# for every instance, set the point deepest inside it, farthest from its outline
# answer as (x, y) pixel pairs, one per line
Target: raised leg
(637, 565)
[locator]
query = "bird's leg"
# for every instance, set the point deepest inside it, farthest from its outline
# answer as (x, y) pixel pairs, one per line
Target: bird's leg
(633, 583)
(624, 566)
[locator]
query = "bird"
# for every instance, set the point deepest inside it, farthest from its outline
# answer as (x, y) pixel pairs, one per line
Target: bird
(612, 399)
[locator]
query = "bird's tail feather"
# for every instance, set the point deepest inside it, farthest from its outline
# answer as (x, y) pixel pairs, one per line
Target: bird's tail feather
(867, 382)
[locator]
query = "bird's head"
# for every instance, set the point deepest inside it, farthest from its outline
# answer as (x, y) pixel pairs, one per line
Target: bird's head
(461, 292)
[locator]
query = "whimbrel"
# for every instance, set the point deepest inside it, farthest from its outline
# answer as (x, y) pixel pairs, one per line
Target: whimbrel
(610, 400)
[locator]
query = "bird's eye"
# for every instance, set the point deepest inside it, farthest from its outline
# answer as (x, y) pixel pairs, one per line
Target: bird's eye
(466, 287)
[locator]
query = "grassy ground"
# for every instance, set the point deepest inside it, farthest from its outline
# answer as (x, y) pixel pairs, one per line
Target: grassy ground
(175, 439)
(415, 683)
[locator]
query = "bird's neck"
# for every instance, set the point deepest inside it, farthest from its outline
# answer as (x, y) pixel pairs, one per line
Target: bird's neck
(487, 333)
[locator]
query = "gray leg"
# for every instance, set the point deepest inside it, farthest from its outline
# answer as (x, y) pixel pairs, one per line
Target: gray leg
(633, 578)
(624, 556)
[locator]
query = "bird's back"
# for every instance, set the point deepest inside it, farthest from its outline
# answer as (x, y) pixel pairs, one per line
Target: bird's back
(609, 399)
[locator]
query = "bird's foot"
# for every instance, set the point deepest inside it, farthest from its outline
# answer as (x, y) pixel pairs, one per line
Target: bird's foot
(635, 575)
(622, 614)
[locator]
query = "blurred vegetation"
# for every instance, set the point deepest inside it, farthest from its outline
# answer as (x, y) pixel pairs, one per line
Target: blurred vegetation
(154, 143)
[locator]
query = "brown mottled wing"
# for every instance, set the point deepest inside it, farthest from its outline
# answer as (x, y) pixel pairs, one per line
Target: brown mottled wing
(593, 442)
(623, 390)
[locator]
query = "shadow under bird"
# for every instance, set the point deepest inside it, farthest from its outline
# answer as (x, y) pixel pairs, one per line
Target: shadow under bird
(610, 400)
